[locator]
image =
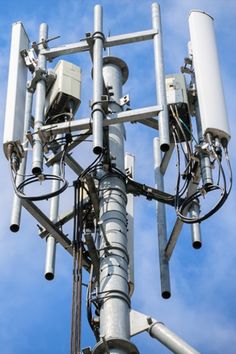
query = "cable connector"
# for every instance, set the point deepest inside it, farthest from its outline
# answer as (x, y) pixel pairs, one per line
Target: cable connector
(13, 158)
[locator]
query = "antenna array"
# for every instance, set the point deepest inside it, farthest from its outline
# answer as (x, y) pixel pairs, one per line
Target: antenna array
(102, 211)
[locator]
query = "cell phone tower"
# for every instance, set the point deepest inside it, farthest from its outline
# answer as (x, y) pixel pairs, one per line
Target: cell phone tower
(40, 117)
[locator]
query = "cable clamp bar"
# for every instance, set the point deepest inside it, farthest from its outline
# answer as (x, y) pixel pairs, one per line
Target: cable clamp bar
(104, 102)
(99, 35)
(99, 110)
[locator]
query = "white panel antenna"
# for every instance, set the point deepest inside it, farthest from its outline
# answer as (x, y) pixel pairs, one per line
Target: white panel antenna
(16, 90)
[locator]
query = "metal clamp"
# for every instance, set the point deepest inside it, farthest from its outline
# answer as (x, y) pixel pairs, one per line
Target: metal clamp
(40, 74)
(99, 35)
(104, 102)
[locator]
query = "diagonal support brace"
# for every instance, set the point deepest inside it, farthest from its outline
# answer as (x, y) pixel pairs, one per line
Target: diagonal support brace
(140, 323)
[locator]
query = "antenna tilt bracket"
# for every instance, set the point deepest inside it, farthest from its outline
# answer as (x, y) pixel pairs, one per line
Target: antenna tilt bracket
(29, 58)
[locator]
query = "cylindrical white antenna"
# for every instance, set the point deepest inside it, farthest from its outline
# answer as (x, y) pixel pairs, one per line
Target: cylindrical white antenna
(208, 79)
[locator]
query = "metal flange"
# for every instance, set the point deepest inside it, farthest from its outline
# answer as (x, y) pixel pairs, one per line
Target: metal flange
(115, 343)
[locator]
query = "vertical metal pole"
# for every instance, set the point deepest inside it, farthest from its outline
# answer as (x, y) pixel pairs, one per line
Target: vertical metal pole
(196, 230)
(37, 163)
(16, 207)
(160, 79)
(161, 224)
(97, 112)
(114, 288)
(205, 164)
(129, 165)
(51, 242)
(206, 170)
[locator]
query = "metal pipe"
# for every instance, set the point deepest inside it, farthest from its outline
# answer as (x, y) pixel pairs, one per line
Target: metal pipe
(169, 339)
(166, 159)
(37, 163)
(115, 73)
(97, 111)
(161, 223)
(160, 79)
(205, 164)
(179, 223)
(206, 169)
(51, 241)
(113, 290)
(196, 230)
(16, 207)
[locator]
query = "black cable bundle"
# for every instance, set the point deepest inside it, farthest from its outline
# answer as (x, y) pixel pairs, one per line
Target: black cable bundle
(77, 268)
(189, 171)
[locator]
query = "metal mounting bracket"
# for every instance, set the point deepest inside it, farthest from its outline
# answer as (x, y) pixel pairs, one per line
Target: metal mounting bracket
(125, 100)
(30, 60)
(139, 322)
(40, 74)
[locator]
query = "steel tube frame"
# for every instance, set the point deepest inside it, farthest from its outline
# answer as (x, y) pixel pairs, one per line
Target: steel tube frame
(76, 141)
(97, 111)
(51, 241)
(37, 163)
(136, 115)
(160, 78)
(111, 41)
(47, 224)
(161, 223)
(17, 207)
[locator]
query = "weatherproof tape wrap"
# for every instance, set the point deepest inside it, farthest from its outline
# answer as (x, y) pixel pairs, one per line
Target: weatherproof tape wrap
(208, 78)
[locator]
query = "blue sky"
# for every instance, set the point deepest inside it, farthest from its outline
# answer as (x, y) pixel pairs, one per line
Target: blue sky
(34, 313)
